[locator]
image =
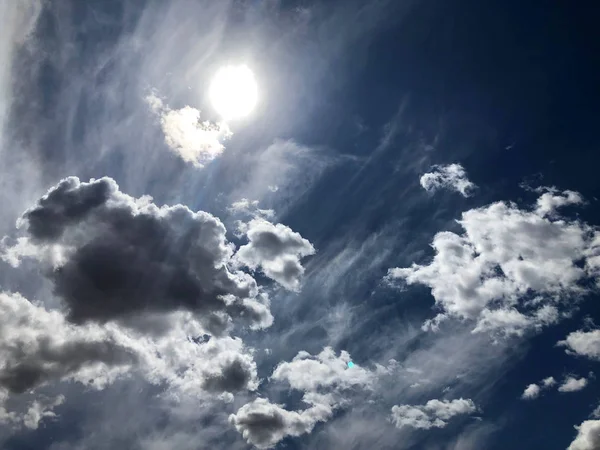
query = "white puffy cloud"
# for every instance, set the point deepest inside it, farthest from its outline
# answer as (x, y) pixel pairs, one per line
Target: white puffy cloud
(451, 176)
(583, 343)
(308, 373)
(573, 384)
(434, 414)
(532, 391)
(194, 141)
(588, 436)
(276, 250)
(501, 272)
(552, 199)
(264, 424)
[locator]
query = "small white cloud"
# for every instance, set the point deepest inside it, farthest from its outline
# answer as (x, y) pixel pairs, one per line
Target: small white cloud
(583, 343)
(548, 382)
(277, 250)
(307, 372)
(195, 141)
(572, 384)
(552, 199)
(588, 436)
(451, 176)
(532, 391)
(434, 414)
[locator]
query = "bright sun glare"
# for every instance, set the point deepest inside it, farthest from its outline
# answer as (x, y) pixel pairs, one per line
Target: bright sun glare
(233, 92)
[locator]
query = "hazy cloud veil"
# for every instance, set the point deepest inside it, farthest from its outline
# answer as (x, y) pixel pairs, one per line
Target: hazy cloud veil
(380, 253)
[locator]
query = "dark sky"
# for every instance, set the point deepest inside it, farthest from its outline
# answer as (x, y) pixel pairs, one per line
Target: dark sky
(415, 191)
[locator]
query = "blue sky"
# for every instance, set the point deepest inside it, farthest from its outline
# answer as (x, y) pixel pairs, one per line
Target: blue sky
(415, 192)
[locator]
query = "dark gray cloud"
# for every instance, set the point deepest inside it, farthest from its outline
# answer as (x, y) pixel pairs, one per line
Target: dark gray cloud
(38, 347)
(121, 257)
(234, 376)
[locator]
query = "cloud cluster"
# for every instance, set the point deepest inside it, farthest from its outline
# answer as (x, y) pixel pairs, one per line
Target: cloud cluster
(276, 250)
(195, 141)
(138, 283)
(534, 390)
(583, 343)
(451, 176)
(40, 347)
(501, 272)
(569, 384)
(322, 378)
(434, 414)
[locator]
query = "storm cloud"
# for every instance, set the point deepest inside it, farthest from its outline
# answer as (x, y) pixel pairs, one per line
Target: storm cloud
(119, 257)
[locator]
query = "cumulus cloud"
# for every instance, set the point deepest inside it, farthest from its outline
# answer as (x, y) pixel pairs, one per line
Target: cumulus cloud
(501, 272)
(276, 250)
(434, 414)
(322, 378)
(552, 199)
(583, 343)
(573, 384)
(532, 391)
(121, 258)
(138, 284)
(308, 372)
(588, 436)
(548, 382)
(264, 424)
(195, 141)
(38, 346)
(451, 176)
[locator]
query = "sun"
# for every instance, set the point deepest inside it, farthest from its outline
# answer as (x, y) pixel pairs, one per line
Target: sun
(233, 92)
